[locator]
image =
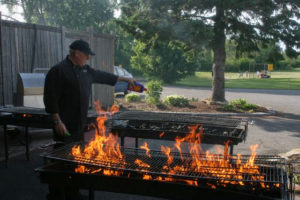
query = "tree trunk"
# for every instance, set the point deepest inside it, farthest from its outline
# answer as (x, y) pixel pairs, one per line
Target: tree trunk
(218, 68)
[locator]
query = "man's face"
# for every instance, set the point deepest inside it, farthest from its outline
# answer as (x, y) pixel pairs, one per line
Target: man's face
(81, 57)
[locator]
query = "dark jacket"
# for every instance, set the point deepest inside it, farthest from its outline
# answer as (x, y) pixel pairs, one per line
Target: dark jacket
(67, 90)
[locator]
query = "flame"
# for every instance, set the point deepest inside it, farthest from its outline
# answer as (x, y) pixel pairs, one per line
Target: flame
(141, 163)
(167, 151)
(145, 146)
(191, 182)
(105, 148)
(211, 165)
(109, 172)
(161, 134)
(147, 177)
(80, 169)
(211, 185)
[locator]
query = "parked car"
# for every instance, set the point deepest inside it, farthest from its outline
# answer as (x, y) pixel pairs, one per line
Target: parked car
(121, 86)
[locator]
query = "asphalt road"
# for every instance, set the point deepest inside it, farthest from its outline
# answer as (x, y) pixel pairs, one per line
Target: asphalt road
(286, 101)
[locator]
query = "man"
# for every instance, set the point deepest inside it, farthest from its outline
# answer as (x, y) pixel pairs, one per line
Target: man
(66, 97)
(67, 91)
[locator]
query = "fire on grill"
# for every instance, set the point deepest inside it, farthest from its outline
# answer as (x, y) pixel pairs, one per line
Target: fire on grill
(253, 175)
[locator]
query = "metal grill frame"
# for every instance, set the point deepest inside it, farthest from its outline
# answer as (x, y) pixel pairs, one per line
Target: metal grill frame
(65, 175)
(179, 117)
(267, 165)
(217, 130)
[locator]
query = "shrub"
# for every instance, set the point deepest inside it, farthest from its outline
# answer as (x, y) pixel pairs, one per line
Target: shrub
(243, 104)
(132, 97)
(175, 100)
(154, 91)
(228, 107)
(194, 99)
(239, 104)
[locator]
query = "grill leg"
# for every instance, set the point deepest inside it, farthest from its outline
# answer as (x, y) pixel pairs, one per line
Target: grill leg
(231, 150)
(122, 140)
(136, 142)
(27, 142)
(5, 144)
(91, 194)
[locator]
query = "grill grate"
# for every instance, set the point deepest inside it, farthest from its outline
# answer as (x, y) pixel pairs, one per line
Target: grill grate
(21, 111)
(24, 110)
(175, 127)
(270, 167)
(178, 117)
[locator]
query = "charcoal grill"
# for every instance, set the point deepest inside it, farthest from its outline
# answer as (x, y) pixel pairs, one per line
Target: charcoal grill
(151, 125)
(165, 184)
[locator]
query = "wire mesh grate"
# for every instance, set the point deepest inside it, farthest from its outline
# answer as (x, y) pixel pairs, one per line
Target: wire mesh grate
(178, 117)
(270, 167)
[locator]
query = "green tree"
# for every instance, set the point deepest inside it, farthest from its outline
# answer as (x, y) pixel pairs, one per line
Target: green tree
(269, 54)
(122, 45)
(166, 61)
(205, 60)
(208, 23)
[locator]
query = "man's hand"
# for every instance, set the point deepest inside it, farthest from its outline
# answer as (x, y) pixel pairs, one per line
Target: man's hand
(61, 129)
(131, 81)
(59, 126)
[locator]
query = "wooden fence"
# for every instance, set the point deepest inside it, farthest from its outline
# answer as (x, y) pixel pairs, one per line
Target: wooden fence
(26, 47)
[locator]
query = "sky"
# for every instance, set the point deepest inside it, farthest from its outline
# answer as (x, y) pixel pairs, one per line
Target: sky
(17, 15)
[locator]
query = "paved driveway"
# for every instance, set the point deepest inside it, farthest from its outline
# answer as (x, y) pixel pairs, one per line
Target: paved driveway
(287, 101)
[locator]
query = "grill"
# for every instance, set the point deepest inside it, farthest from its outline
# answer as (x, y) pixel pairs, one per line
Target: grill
(24, 110)
(177, 117)
(28, 117)
(30, 88)
(270, 183)
(33, 117)
(167, 126)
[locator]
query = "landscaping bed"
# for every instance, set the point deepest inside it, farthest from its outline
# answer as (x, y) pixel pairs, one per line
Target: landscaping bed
(194, 106)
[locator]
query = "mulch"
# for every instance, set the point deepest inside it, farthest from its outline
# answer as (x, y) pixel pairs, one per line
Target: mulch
(197, 107)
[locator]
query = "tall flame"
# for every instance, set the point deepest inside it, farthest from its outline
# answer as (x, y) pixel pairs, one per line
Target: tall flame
(104, 146)
(211, 165)
(146, 148)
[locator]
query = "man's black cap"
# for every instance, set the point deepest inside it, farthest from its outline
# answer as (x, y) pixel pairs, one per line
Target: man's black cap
(82, 46)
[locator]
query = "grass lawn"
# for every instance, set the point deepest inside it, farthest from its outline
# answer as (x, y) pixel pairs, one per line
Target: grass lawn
(278, 80)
